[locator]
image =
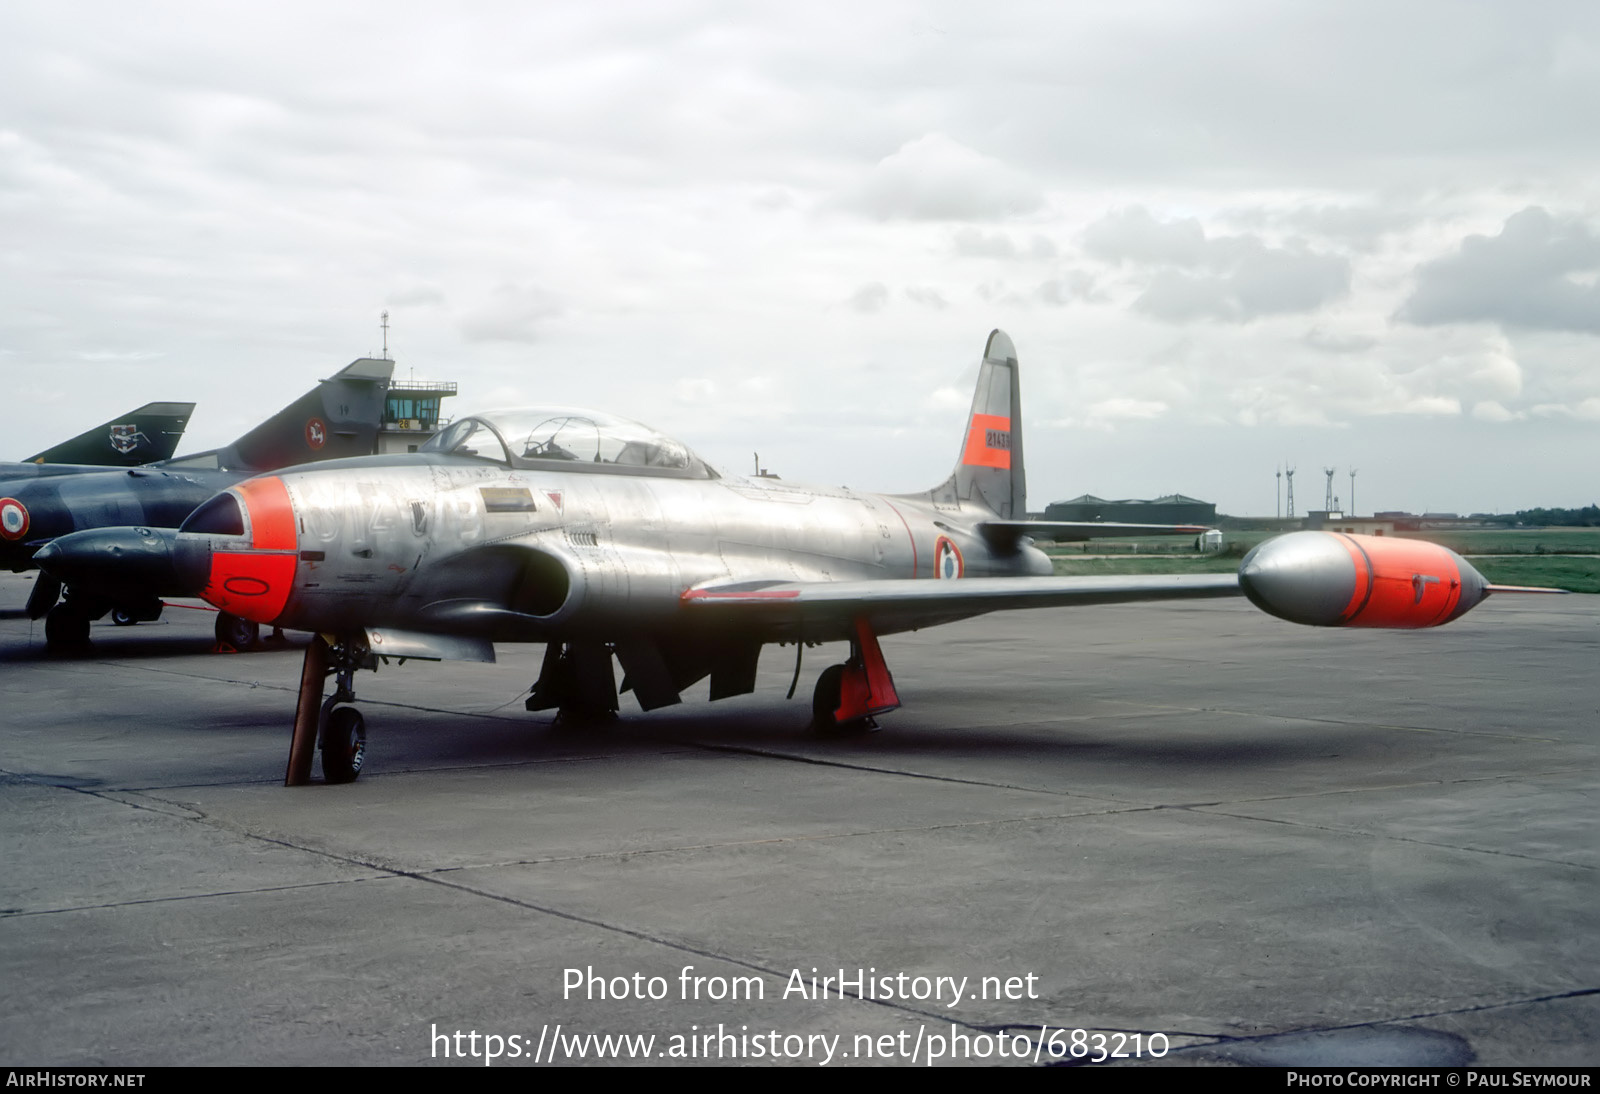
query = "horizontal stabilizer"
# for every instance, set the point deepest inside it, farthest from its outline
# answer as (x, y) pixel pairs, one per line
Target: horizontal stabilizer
(1003, 534)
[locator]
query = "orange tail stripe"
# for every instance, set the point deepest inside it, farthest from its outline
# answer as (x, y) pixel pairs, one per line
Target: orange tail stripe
(988, 442)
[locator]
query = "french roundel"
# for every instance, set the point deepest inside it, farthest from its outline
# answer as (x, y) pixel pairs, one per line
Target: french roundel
(13, 518)
(947, 562)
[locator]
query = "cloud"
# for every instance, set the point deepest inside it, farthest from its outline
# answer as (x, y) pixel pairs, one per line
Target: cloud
(1586, 410)
(1328, 341)
(694, 390)
(1231, 278)
(870, 298)
(1058, 292)
(936, 178)
(1126, 409)
(1359, 226)
(928, 298)
(975, 243)
(415, 296)
(1133, 235)
(1491, 411)
(513, 313)
(1537, 274)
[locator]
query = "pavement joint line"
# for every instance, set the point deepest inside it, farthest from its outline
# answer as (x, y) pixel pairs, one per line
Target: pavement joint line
(1359, 724)
(1223, 1039)
(818, 761)
(817, 837)
(1213, 812)
(286, 689)
(1132, 803)
(379, 875)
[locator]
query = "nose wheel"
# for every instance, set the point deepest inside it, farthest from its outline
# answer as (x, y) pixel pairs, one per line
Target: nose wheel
(344, 743)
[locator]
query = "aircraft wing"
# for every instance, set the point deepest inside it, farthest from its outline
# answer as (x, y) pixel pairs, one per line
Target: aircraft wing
(894, 605)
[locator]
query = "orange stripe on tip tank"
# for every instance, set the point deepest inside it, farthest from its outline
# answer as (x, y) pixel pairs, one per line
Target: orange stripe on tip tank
(271, 513)
(1414, 584)
(1361, 587)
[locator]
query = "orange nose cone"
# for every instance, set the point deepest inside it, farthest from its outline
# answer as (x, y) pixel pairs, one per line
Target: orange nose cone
(254, 582)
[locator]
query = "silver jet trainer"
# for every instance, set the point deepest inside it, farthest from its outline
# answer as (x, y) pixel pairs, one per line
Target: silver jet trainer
(606, 539)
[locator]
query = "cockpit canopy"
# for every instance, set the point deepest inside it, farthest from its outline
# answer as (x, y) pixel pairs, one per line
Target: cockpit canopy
(569, 440)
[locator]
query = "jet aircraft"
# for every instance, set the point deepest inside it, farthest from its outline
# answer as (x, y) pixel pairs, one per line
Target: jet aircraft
(339, 417)
(138, 437)
(609, 541)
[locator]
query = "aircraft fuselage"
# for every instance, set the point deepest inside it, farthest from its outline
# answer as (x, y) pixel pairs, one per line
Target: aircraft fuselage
(441, 540)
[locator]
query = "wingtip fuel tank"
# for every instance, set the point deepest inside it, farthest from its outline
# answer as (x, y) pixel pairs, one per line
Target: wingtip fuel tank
(1335, 579)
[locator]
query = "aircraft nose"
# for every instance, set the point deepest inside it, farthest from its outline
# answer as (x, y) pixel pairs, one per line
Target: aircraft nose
(113, 560)
(1304, 577)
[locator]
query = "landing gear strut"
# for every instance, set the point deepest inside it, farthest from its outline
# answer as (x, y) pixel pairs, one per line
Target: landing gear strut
(340, 730)
(848, 696)
(577, 679)
(66, 626)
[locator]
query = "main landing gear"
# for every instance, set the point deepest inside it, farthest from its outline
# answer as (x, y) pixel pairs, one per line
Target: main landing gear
(577, 680)
(340, 731)
(235, 635)
(848, 696)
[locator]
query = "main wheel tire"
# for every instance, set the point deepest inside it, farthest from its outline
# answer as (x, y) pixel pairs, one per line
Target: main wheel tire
(241, 634)
(122, 617)
(344, 745)
(65, 627)
(826, 698)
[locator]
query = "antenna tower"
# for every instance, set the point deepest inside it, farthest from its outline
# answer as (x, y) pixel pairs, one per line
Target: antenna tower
(385, 325)
(1288, 473)
(1328, 504)
(1352, 491)
(1278, 496)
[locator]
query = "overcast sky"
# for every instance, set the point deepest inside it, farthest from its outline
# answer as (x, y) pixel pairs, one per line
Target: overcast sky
(1223, 236)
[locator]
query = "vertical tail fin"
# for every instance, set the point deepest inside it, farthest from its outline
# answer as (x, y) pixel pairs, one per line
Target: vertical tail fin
(989, 469)
(138, 437)
(337, 418)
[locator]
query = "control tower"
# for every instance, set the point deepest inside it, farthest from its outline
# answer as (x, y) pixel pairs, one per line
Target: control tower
(411, 413)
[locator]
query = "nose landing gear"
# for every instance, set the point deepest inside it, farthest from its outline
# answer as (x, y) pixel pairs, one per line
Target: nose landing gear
(340, 730)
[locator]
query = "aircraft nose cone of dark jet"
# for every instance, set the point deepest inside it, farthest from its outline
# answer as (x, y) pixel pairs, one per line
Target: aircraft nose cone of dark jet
(114, 560)
(1304, 577)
